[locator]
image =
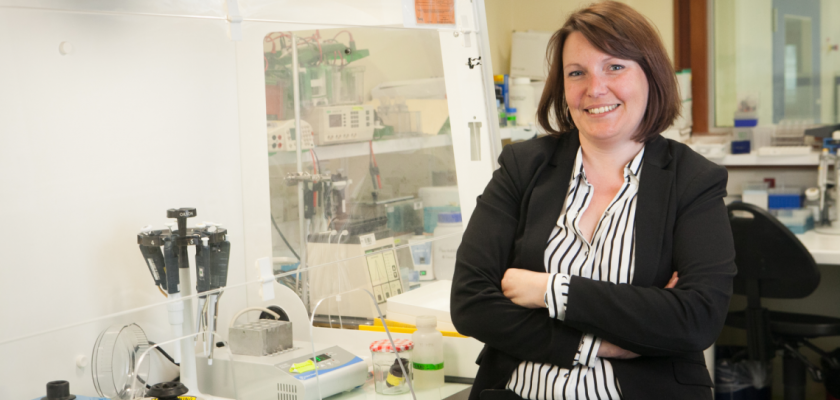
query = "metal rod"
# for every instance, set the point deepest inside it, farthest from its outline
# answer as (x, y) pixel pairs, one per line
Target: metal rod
(303, 280)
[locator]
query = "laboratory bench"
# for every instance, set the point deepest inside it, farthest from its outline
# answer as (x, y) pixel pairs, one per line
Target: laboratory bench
(824, 248)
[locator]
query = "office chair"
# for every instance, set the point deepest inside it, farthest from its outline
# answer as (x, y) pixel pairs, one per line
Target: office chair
(773, 263)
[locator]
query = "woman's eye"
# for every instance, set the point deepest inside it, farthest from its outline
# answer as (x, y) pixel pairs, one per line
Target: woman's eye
(574, 73)
(616, 67)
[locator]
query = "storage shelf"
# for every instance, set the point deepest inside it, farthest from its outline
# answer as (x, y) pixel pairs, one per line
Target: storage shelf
(363, 148)
(753, 159)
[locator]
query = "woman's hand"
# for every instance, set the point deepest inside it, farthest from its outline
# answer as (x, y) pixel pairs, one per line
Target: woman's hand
(609, 350)
(525, 288)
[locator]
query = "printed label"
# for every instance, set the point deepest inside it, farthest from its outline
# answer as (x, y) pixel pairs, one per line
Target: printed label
(436, 12)
(367, 240)
(153, 267)
(428, 367)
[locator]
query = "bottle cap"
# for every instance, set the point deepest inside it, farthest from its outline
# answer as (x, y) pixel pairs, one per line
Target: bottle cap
(426, 321)
(58, 390)
(812, 194)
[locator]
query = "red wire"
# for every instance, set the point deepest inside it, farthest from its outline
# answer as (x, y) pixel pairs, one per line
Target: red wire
(373, 157)
(315, 170)
(347, 32)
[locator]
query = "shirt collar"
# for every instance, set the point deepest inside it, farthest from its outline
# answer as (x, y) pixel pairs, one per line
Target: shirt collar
(632, 169)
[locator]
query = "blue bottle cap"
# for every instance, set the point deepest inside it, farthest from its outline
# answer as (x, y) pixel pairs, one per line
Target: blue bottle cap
(449, 218)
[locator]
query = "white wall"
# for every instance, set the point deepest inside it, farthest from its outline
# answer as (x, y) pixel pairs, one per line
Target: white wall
(149, 112)
(506, 16)
(141, 117)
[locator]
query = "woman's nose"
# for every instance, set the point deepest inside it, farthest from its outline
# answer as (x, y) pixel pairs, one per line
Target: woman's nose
(596, 85)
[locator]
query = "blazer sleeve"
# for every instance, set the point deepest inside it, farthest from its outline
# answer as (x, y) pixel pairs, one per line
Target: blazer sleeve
(478, 306)
(659, 322)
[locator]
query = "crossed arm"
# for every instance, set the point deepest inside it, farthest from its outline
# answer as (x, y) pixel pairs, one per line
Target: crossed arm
(647, 321)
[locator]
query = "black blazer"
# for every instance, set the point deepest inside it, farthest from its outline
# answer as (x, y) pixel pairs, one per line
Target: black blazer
(681, 225)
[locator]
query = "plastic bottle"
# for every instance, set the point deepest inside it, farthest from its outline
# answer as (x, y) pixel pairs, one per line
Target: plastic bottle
(444, 249)
(428, 354)
(511, 117)
(521, 98)
(502, 115)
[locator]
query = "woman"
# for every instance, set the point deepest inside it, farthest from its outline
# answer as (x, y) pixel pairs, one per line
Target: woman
(598, 263)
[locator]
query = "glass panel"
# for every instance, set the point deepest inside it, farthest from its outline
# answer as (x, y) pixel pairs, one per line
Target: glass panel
(378, 168)
(778, 56)
(182, 8)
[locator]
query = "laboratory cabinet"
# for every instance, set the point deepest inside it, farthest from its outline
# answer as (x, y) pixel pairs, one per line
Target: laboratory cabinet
(231, 193)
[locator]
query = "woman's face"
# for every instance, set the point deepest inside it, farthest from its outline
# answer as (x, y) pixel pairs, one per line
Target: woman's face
(607, 96)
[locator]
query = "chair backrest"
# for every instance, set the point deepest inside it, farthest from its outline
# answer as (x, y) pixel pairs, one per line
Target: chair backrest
(765, 250)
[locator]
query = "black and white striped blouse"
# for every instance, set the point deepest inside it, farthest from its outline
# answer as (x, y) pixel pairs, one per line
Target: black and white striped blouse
(610, 257)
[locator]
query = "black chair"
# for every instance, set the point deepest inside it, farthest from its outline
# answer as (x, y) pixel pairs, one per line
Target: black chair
(773, 263)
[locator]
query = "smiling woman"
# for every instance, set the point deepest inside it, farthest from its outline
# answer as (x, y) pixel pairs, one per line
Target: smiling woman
(617, 43)
(599, 261)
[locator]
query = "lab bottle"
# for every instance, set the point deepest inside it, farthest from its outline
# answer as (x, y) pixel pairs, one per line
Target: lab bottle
(502, 114)
(812, 203)
(447, 239)
(521, 98)
(428, 354)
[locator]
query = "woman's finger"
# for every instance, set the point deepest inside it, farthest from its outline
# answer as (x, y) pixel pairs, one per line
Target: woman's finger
(673, 282)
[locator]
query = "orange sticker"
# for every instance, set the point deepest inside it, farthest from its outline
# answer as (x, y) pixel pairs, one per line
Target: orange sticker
(435, 12)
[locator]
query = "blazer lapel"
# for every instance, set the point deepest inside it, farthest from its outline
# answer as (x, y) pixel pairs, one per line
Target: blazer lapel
(651, 209)
(547, 200)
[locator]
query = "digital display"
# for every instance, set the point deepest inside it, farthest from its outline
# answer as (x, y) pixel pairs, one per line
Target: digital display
(320, 357)
(335, 120)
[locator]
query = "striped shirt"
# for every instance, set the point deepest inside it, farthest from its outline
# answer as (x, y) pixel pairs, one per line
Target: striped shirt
(610, 258)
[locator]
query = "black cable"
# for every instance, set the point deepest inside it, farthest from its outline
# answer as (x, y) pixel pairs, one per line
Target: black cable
(164, 353)
(284, 237)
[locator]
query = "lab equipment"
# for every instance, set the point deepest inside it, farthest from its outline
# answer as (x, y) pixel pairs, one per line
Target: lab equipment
(797, 220)
(167, 390)
(288, 375)
(353, 260)
(60, 390)
(212, 255)
(755, 193)
(282, 135)
(260, 338)
(430, 299)
(428, 354)
(741, 138)
(405, 214)
(784, 198)
(421, 254)
(342, 124)
(392, 369)
(325, 77)
(829, 193)
(438, 199)
(522, 98)
(812, 202)
(114, 361)
(444, 249)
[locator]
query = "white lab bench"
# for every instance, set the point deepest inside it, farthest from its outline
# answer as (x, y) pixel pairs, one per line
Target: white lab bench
(824, 248)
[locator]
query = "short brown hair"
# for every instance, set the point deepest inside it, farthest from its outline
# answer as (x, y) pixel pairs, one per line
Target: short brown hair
(620, 31)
